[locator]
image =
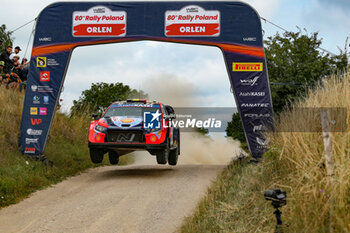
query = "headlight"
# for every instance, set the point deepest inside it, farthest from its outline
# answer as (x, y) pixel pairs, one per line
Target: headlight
(100, 128)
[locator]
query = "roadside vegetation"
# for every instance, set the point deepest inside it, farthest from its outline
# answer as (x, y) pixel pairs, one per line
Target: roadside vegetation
(294, 163)
(66, 147)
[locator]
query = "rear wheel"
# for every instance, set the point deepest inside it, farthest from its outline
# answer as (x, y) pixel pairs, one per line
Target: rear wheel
(173, 156)
(113, 157)
(96, 155)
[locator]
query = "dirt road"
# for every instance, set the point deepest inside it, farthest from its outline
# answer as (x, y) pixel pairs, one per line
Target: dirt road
(137, 198)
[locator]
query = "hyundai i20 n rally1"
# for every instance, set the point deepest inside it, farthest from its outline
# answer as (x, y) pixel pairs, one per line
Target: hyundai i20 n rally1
(132, 125)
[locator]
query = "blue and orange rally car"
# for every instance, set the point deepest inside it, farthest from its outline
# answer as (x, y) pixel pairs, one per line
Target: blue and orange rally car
(132, 125)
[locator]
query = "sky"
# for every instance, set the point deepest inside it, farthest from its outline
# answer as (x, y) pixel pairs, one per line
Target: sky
(199, 71)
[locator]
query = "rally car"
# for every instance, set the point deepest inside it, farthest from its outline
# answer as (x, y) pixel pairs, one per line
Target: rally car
(132, 125)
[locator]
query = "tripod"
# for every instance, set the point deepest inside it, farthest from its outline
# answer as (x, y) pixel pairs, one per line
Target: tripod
(277, 212)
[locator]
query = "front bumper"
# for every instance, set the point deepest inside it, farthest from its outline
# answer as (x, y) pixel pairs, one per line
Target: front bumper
(131, 146)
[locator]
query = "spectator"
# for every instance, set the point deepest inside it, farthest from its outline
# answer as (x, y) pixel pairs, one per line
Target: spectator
(17, 50)
(3, 75)
(5, 56)
(17, 67)
(25, 69)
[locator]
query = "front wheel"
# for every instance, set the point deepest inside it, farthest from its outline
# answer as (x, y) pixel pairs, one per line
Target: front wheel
(173, 156)
(96, 155)
(113, 157)
(162, 156)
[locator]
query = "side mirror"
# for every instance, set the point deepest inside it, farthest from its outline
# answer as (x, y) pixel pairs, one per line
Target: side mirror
(170, 111)
(95, 116)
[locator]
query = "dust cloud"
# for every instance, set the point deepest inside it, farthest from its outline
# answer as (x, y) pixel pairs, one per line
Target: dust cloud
(170, 89)
(214, 149)
(195, 147)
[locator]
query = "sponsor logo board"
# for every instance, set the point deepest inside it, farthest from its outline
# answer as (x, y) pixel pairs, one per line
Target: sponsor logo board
(45, 39)
(33, 111)
(43, 111)
(247, 66)
(36, 88)
(32, 140)
(41, 62)
(34, 132)
(46, 99)
(255, 105)
(250, 82)
(263, 143)
(192, 21)
(99, 21)
(36, 121)
(36, 100)
(44, 76)
(252, 93)
(29, 150)
(256, 115)
(258, 128)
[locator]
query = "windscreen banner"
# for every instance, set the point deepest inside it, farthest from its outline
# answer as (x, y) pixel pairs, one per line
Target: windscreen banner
(234, 27)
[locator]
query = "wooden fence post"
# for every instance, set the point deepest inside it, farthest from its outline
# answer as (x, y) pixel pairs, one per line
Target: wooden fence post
(325, 120)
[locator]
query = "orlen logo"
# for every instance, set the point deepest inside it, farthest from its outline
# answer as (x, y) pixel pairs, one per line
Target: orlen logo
(44, 76)
(29, 150)
(247, 66)
(36, 121)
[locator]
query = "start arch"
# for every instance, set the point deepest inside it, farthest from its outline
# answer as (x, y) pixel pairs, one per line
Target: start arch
(234, 27)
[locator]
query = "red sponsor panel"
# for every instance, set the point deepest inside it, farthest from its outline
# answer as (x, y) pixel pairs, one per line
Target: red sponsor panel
(35, 121)
(44, 76)
(29, 150)
(199, 29)
(99, 30)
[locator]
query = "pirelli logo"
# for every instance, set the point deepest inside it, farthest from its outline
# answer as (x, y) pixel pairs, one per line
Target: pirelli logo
(247, 66)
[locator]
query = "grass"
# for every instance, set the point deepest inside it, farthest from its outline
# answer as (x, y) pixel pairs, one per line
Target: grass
(295, 163)
(66, 147)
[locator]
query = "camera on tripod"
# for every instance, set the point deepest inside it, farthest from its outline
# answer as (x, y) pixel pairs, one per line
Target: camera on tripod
(279, 199)
(277, 196)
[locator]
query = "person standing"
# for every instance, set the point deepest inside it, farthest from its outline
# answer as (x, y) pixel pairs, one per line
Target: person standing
(5, 56)
(17, 50)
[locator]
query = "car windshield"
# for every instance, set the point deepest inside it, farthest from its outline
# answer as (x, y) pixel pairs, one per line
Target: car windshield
(129, 111)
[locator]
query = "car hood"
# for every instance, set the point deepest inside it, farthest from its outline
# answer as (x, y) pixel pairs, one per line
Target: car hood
(124, 122)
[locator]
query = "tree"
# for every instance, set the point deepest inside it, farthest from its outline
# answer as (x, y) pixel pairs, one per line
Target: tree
(101, 95)
(5, 37)
(234, 128)
(293, 58)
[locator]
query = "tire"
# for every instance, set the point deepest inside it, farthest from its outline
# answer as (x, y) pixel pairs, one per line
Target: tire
(162, 156)
(96, 155)
(113, 157)
(173, 156)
